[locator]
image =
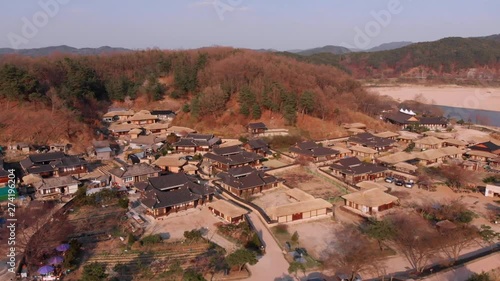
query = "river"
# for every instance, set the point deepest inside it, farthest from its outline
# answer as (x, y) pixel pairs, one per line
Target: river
(477, 116)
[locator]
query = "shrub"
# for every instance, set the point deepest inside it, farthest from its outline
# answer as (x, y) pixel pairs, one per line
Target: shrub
(295, 237)
(192, 275)
(283, 141)
(282, 228)
(254, 244)
(465, 216)
(193, 235)
(94, 272)
(71, 256)
(491, 179)
(131, 239)
(123, 202)
(410, 147)
(151, 239)
(483, 276)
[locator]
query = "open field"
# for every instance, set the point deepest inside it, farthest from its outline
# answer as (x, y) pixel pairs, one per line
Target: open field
(448, 95)
(315, 185)
(476, 202)
(316, 236)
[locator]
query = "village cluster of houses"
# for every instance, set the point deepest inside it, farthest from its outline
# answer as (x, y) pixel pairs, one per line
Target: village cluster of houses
(363, 158)
(177, 181)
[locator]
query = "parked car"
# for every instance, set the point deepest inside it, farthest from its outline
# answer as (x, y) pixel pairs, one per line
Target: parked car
(389, 179)
(264, 168)
(186, 157)
(301, 251)
(288, 246)
(409, 184)
(399, 182)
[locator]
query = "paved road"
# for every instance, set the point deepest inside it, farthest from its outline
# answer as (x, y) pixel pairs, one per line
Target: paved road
(273, 264)
(462, 273)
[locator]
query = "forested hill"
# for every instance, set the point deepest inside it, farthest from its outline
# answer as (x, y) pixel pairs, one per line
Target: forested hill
(458, 57)
(208, 83)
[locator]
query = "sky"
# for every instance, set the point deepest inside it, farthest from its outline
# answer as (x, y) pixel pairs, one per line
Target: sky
(255, 24)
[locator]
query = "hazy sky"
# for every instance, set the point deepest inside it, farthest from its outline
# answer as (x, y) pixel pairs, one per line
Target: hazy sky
(277, 24)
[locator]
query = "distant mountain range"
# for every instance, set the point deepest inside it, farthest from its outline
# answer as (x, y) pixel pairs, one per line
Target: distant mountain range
(461, 57)
(326, 49)
(63, 49)
(339, 50)
(469, 58)
(389, 46)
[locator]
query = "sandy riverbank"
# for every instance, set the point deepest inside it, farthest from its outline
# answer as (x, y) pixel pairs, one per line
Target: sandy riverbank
(448, 95)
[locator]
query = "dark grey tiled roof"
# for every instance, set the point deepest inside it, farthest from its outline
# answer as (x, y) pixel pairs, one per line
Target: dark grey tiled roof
(258, 144)
(354, 166)
(257, 125)
(313, 149)
(235, 157)
(247, 180)
(134, 170)
(223, 151)
(173, 189)
(369, 140)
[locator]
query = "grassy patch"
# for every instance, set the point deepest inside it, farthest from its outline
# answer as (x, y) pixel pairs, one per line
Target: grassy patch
(325, 178)
(281, 234)
(311, 263)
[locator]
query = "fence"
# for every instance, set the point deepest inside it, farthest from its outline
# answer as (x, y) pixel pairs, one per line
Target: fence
(283, 156)
(282, 169)
(244, 204)
(350, 187)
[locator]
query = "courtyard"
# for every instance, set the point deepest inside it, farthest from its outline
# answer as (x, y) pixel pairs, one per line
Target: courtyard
(312, 182)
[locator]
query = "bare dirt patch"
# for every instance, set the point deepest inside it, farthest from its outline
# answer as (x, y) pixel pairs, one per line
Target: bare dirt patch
(310, 183)
(316, 236)
(173, 226)
(476, 202)
(272, 198)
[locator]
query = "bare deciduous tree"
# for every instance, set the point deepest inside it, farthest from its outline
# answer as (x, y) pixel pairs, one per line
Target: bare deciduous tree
(353, 253)
(414, 239)
(453, 241)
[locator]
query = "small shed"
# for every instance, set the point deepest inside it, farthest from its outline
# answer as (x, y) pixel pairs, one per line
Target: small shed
(492, 190)
(134, 133)
(405, 167)
(367, 185)
(227, 211)
(190, 169)
(370, 201)
(299, 210)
